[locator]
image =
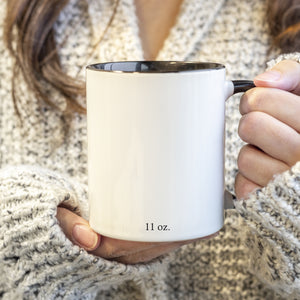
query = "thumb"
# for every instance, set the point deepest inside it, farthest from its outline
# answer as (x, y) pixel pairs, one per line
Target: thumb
(285, 75)
(77, 229)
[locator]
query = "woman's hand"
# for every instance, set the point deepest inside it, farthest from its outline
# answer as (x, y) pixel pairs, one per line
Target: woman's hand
(80, 233)
(270, 124)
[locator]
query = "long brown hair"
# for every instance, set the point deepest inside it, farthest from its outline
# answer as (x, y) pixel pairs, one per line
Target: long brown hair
(29, 35)
(34, 49)
(284, 23)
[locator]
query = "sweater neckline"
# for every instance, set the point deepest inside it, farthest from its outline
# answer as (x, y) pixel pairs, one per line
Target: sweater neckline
(192, 23)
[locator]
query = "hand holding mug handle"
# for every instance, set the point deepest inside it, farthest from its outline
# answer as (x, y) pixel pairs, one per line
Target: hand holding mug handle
(270, 126)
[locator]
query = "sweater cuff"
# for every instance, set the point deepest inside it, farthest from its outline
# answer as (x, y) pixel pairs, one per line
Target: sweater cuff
(273, 218)
(36, 258)
(288, 56)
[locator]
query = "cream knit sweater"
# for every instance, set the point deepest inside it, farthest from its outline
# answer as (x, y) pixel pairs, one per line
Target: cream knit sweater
(256, 255)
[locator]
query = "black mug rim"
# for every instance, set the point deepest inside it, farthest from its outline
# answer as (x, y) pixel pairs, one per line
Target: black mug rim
(155, 66)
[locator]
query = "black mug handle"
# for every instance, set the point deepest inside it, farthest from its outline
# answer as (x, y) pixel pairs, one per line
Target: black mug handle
(241, 86)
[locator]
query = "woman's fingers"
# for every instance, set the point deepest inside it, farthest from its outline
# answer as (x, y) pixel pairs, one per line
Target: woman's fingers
(77, 229)
(113, 248)
(271, 124)
(285, 76)
(281, 105)
(257, 166)
(244, 186)
(271, 136)
(149, 254)
(130, 252)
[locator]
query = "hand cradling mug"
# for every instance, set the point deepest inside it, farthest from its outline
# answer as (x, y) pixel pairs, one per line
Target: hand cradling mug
(156, 148)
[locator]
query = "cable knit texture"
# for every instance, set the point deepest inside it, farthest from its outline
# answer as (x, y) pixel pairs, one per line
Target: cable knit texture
(255, 256)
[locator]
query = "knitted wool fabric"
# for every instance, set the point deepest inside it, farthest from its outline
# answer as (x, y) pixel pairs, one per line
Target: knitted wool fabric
(255, 256)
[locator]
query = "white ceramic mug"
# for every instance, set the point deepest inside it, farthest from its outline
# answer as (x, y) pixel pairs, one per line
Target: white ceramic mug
(156, 148)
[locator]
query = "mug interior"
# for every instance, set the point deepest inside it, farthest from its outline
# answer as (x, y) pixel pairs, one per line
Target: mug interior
(155, 66)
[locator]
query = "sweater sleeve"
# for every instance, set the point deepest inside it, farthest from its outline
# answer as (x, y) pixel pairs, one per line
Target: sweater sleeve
(37, 261)
(273, 233)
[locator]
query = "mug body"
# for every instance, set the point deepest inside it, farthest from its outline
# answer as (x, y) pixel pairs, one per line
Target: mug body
(156, 149)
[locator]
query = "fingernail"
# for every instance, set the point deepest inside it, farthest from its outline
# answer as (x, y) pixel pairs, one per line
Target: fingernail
(85, 236)
(271, 75)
